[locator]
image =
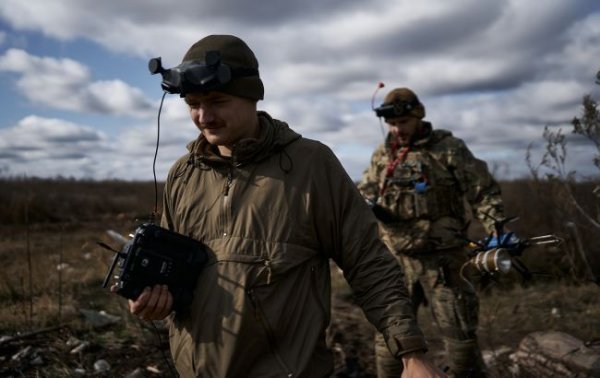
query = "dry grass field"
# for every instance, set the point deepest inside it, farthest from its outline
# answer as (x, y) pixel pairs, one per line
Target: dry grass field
(53, 269)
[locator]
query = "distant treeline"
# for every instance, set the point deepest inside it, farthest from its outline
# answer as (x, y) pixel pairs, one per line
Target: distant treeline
(37, 200)
(537, 203)
(543, 207)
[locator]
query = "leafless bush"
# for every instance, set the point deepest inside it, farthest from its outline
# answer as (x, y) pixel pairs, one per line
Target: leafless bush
(573, 204)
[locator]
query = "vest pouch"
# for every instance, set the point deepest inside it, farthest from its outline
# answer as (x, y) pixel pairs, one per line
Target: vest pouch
(422, 203)
(406, 204)
(412, 205)
(392, 201)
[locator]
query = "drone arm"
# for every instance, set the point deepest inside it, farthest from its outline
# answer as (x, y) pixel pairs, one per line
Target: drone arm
(521, 268)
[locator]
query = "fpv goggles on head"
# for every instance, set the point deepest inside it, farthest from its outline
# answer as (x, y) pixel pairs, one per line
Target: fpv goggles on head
(396, 109)
(196, 75)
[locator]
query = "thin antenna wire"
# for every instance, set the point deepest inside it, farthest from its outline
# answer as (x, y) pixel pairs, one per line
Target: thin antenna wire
(154, 161)
(382, 129)
(464, 278)
(379, 86)
(161, 349)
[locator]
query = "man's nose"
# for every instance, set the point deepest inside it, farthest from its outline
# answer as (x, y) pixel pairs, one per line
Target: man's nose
(205, 115)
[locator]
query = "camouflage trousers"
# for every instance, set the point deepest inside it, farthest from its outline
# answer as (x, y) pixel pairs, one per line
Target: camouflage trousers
(434, 280)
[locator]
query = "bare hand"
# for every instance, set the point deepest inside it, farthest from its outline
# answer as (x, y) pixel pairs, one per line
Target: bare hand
(153, 303)
(417, 365)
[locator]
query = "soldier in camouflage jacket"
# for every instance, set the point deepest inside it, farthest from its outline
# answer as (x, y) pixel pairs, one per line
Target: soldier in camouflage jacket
(422, 183)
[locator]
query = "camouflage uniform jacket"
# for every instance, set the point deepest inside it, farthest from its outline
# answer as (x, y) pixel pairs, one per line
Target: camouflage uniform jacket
(424, 186)
(272, 217)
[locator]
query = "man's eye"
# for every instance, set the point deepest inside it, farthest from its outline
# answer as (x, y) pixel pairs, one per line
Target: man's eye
(194, 106)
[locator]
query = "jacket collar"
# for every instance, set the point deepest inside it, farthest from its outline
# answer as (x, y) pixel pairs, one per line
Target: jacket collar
(274, 136)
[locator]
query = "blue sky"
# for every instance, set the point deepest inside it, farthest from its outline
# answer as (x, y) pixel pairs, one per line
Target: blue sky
(78, 100)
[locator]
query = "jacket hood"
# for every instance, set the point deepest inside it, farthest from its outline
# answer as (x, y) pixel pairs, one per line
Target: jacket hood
(274, 136)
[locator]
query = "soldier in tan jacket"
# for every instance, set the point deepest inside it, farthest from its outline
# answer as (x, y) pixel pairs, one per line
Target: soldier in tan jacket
(273, 208)
(418, 182)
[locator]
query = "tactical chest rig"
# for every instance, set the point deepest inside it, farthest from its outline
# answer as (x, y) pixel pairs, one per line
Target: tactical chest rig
(416, 184)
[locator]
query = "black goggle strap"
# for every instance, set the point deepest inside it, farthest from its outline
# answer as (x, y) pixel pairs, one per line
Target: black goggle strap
(204, 76)
(396, 108)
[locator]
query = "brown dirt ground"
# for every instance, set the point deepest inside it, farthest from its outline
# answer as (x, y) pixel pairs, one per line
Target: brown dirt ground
(508, 313)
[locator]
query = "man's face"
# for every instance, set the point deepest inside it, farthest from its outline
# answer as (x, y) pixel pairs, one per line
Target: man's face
(403, 128)
(223, 119)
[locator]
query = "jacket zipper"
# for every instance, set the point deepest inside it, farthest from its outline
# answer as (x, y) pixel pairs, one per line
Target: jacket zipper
(271, 338)
(228, 182)
(225, 192)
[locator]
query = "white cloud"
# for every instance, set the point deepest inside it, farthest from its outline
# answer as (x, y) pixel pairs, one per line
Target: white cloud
(66, 84)
(35, 132)
(49, 147)
(495, 73)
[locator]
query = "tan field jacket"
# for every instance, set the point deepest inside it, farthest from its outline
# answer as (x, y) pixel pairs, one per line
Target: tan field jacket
(272, 216)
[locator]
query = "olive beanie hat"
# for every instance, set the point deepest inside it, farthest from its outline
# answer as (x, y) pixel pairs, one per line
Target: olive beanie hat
(236, 54)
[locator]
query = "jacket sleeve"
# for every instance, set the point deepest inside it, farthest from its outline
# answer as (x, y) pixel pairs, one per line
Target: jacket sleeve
(349, 234)
(369, 183)
(477, 184)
